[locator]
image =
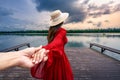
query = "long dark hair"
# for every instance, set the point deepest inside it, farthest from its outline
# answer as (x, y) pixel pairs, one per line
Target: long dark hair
(52, 31)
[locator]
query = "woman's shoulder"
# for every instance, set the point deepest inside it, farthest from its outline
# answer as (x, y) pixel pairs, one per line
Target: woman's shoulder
(62, 29)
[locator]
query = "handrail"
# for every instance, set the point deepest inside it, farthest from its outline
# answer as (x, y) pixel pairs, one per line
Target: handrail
(103, 48)
(16, 48)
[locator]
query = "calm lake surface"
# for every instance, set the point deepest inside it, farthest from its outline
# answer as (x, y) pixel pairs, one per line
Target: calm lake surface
(74, 40)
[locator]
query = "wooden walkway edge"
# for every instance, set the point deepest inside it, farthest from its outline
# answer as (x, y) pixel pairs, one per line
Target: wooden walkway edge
(86, 64)
(103, 48)
(16, 48)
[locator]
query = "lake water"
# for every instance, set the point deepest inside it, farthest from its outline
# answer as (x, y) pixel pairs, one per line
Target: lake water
(74, 40)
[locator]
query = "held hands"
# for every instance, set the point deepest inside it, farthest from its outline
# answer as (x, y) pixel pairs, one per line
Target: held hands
(31, 56)
(39, 56)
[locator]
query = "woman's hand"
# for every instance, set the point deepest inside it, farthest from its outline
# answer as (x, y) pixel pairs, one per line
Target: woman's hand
(39, 56)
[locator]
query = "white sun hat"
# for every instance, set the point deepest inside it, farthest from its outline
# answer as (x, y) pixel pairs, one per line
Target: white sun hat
(57, 17)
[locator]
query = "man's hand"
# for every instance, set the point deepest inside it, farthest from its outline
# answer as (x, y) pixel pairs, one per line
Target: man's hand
(28, 58)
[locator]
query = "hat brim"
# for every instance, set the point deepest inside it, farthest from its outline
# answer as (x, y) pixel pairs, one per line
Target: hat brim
(62, 18)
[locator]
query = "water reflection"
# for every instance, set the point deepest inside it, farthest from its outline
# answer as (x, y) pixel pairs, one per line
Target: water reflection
(86, 40)
(75, 44)
(7, 41)
(74, 40)
(26, 34)
(95, 34)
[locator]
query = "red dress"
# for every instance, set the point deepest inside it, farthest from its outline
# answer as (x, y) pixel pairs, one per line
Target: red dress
(57, 67)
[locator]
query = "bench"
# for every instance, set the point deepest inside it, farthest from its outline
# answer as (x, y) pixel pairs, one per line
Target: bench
(16, 48)
(103, 48)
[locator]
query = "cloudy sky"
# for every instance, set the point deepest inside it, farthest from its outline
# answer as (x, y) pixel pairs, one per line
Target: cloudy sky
(34, 14)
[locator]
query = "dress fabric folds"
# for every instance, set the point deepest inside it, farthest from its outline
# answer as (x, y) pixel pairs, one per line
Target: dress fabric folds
(57, 67)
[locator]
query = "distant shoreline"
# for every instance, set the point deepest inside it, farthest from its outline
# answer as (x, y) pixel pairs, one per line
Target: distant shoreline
(68, 31)
(95, 34)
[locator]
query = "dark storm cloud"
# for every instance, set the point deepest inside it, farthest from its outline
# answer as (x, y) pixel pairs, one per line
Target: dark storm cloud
(106, 21)
(92, 7)
(111, 2)
(53, 4)
(97, 24)
(5, 12)
(89, 22)
(117, 8)
(76, 14)
(97, 11)
(95, 14)
(85, 1)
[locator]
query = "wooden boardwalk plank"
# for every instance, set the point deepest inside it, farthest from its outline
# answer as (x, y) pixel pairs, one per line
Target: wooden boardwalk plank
(86, 63)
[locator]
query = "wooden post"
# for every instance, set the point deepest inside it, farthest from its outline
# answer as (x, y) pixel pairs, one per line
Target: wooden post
(91, 45)
(17, 49)
(28, 44)
(102, 50)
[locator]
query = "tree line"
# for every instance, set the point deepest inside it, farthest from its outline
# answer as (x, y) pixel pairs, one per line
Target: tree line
(110, 30)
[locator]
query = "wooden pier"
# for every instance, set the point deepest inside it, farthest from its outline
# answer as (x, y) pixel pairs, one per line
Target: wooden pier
(103, 48)
(87, 64)
(16, 48)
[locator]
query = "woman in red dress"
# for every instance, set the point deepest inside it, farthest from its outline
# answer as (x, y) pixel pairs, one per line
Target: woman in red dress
(57, 67)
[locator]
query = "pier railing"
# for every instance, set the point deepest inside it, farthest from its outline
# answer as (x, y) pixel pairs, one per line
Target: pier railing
(103, 48)
(16, 48)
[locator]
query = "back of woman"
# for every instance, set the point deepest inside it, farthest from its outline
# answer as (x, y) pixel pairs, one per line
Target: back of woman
(57, 67)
